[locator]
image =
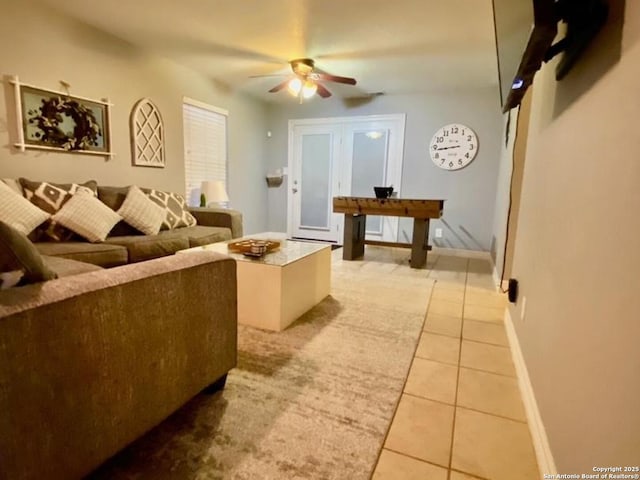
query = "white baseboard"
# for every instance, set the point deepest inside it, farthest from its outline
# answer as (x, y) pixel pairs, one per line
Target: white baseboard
(546, 464)
(461, 252)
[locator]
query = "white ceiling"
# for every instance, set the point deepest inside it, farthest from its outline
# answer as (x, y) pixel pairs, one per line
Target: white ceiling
(401, 46)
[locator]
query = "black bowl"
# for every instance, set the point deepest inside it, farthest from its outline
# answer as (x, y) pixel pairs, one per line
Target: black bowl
(383, 192)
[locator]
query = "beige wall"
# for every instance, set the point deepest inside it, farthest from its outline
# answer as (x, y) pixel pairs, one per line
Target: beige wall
(43, 47)
(577, 257)
(469, 193)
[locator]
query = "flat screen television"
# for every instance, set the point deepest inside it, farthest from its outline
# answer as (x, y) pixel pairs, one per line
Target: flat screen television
(525, 31)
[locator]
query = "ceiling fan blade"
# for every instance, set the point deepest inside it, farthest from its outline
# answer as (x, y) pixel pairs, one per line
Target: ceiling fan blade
(334, 78)
(322, 91)
(279, 87)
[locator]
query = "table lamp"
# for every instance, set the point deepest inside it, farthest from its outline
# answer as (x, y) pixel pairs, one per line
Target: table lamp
(213, 192)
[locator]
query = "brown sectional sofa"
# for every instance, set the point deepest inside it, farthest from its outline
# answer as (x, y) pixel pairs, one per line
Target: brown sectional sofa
(126, 245)
(92, 360)
(89, 362)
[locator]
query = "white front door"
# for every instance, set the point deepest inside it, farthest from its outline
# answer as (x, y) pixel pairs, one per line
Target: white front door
(342, 156)
(314, 182)
(372, 157)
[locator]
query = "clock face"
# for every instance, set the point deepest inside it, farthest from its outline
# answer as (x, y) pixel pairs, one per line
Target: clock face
(453, 147)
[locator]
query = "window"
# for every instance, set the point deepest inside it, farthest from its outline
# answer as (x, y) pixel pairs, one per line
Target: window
(205, 146)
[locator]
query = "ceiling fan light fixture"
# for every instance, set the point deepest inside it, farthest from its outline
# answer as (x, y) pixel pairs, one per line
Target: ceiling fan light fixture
(294, 86)
(302, 66)
(309, 89)
(306, 82)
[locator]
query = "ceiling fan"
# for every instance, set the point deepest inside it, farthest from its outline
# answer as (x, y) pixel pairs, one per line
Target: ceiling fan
(306, 80)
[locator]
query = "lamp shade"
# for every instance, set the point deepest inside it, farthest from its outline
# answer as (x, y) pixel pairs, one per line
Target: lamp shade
(214, 191)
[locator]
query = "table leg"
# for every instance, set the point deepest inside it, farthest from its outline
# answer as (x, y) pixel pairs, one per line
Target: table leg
(420, 243)
(354, 231)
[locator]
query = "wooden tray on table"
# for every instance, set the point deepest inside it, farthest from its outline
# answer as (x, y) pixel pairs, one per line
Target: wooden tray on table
(253, 247)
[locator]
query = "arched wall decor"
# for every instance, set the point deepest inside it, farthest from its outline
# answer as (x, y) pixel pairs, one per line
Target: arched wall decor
(147, 135)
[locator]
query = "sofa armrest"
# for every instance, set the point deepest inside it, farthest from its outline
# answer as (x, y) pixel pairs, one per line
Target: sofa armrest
(219, 217)
(90, 362)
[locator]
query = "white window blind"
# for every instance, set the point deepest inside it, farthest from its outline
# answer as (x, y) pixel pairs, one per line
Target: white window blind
(205, 146)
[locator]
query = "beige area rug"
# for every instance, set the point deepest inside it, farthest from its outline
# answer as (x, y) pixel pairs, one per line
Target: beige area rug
(312, 402)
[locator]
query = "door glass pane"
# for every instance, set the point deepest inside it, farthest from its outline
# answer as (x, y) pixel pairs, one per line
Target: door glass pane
(315, 181)
(368, 168)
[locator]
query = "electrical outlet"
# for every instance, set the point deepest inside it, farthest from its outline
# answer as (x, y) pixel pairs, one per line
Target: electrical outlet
(523, 308)
(438, 233)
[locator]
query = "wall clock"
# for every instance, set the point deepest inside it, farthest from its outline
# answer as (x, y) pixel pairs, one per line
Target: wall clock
(453, 146)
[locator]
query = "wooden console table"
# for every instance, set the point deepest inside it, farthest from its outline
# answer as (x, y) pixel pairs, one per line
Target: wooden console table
(356, 209)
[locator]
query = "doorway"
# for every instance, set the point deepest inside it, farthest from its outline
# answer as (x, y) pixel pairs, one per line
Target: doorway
(343, 156)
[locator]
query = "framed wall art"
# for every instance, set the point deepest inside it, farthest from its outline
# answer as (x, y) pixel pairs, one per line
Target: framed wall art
(57, 121)
(147, 135)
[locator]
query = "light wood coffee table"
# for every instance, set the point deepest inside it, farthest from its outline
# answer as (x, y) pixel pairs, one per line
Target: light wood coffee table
(276, 289)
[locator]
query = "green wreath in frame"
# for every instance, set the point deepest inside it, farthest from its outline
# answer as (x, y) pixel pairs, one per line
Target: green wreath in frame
(49, 118)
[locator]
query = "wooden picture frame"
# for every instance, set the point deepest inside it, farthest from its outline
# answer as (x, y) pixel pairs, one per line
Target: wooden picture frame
(57, 121)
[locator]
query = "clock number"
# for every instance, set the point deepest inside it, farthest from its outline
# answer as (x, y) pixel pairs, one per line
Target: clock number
(469, 137)
(435, 147)
(442, 161)
(439, 139)
(450, 164)
(466, 154)
(460, 162)
(471, 146)
(438, 155)
(454, 130)
(446, 133)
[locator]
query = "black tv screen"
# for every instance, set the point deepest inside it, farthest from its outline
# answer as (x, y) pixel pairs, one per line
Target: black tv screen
(525, 31)
(513, 20)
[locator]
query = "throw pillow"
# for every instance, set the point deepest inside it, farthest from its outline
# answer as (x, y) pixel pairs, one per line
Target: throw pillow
(18, 212)
(113, 197)
(141, 213)
(50, 197)
(18, 253)
(87, 216)
(175, 207)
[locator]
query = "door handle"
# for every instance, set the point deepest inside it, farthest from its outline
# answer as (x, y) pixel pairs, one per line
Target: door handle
(294, 190)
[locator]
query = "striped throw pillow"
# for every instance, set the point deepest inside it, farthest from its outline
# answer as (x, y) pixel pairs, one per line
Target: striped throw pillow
(87, 216)
(141, 213)
(18, 212)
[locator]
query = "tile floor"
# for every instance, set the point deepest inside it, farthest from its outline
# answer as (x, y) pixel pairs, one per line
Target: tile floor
(461, 415)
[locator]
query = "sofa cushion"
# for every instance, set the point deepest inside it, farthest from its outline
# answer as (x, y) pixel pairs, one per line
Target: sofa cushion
(175, 206)
(65, 267)
(201, 235)
(87, 216)
(18, 253)
(141, 212)
(19, 212)
(113, 197)
(50, 197)
(146, 247)
(219, 217)
(100, 254)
